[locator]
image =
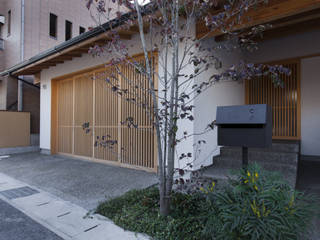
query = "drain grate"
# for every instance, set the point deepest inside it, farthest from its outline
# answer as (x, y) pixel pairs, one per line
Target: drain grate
(18, 192)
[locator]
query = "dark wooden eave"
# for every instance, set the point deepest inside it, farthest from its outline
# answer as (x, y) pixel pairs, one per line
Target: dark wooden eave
(68, 54)
(276, 11)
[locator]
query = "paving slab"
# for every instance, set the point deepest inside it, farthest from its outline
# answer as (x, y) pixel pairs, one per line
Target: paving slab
(63, 218)
(81, 182)
(14, 225)
(113, 232)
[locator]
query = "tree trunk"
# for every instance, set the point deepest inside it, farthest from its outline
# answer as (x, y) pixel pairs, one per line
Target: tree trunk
(164, 204)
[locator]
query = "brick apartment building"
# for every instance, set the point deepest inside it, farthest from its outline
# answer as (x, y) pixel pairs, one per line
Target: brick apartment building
(28, 27)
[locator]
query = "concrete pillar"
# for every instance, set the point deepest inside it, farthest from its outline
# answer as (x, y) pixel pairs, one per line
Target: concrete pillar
(20, 96)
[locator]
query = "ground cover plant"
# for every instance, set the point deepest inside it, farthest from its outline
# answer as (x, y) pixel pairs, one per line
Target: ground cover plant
(138, 211)
(254, 204)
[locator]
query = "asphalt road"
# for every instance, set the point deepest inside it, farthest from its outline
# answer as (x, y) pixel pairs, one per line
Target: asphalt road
(14, 225)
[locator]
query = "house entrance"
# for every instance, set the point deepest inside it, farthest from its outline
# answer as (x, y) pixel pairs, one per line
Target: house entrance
(285, 100)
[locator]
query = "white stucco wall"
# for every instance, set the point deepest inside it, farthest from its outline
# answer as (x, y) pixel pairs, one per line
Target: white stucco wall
(310, 109)
(221, 94)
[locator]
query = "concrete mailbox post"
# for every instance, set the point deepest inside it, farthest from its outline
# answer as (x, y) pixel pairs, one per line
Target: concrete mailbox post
(245, 126)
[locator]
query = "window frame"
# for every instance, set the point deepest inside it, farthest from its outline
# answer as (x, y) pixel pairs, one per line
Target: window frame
(9, 23)
(66, 29)
(82, 30)
(56, 26)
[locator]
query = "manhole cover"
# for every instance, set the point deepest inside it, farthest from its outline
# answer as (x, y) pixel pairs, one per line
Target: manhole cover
(18, 192)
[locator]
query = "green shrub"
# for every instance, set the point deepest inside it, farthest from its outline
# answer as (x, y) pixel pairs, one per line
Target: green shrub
(258, 205)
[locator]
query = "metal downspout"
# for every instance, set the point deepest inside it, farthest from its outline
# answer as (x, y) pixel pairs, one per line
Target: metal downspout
(20, 83)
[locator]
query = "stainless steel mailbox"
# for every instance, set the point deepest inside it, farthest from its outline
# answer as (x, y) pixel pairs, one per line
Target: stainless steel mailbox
(245, 125)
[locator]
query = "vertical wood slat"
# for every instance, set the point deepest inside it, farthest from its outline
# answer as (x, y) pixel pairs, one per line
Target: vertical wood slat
(64, 115)
(298, 75)
(83, 113)
(285, 101)
(73, 116)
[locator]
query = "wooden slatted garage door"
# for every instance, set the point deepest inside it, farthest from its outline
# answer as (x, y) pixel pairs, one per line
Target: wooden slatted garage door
(88, 98)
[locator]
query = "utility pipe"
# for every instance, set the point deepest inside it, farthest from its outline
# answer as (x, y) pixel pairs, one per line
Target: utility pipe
(20, 83)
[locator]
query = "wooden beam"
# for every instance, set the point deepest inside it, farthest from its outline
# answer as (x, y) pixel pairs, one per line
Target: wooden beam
(80, 51)
(37, 78)
(47, 64)
(275, 10)
(287, 30)
(135, 29)
(124, 35)
(73, 55)
(86, 48)
(30, 73)
(56, 62)
(100, 42)
(64, 58)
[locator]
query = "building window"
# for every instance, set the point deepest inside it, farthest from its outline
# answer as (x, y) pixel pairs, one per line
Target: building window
(9, 23)
(53, 25)
(68, 30)
(82, 30)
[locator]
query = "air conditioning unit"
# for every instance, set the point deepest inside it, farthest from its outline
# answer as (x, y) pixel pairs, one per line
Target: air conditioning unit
(2, 20)
(1, 44)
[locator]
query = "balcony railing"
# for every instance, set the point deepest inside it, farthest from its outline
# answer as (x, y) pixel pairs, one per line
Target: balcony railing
(1, 44)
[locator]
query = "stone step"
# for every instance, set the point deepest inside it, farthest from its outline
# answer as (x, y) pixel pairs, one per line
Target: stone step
(230, 159)
(281, 157)
(219, 175)
(286, 147)
(227, 163)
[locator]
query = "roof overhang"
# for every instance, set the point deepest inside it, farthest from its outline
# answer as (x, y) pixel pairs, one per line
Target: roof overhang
(273, 11)
(76, 46)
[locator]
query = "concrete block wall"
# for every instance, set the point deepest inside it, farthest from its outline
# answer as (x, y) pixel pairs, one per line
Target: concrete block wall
(3, 94)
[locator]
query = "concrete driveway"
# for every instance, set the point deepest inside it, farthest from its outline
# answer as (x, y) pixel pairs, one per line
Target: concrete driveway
(81, 182)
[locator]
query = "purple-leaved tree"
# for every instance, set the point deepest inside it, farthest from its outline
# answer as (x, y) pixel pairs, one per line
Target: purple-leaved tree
(167, 27)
